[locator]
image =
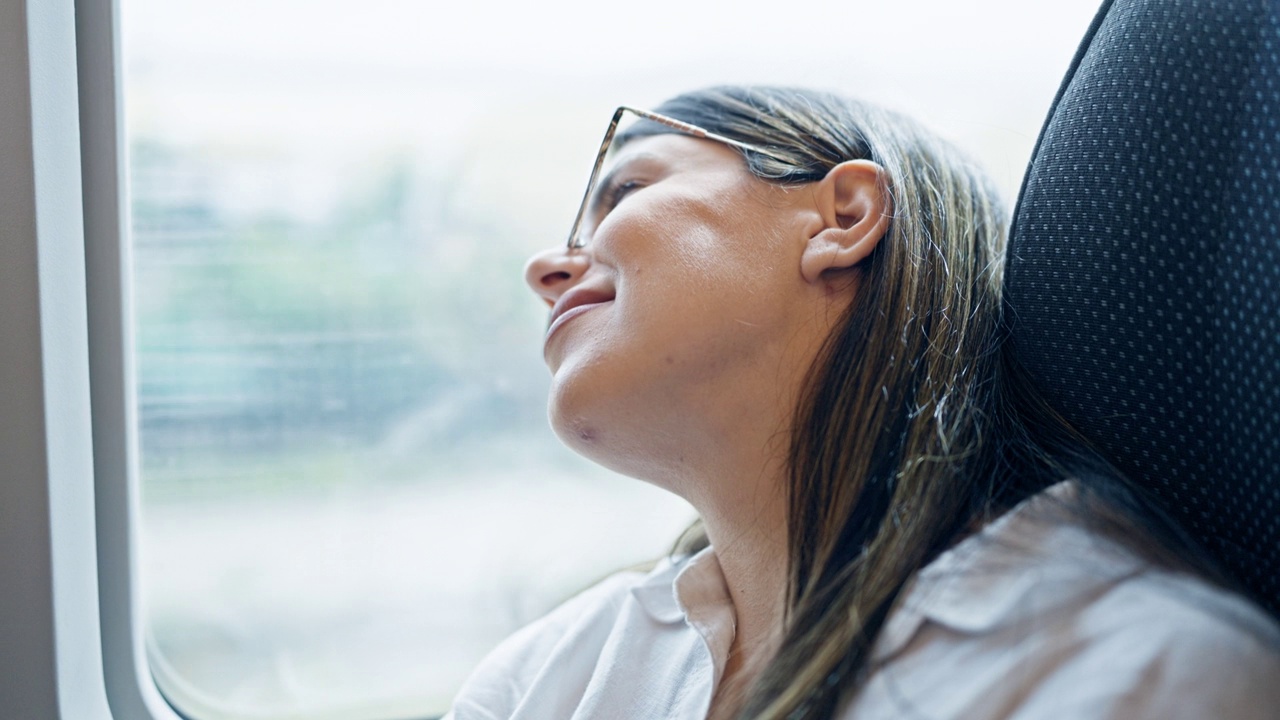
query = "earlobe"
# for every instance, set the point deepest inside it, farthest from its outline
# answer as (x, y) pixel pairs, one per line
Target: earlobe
(853, 200)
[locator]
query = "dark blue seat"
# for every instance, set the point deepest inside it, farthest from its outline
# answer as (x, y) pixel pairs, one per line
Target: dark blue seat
(1144, 272)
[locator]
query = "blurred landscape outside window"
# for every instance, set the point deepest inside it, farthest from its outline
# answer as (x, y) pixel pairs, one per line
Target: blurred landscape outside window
(350, 491)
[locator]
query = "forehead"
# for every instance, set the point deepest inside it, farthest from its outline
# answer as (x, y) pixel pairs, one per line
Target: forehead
(672, 149)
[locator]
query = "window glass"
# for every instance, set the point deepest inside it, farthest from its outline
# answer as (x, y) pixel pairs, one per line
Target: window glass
(350, 491)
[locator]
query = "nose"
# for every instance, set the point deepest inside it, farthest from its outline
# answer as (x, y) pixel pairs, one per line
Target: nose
(552, 272)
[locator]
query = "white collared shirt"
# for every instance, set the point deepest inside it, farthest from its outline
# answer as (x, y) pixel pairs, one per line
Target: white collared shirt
(1035, 617)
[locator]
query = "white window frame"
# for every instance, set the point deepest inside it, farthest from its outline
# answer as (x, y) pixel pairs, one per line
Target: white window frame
(71, 634)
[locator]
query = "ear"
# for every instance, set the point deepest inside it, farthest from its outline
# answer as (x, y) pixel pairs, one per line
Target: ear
(854, 203)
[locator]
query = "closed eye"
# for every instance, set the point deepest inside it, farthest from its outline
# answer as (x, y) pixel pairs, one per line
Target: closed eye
(631, 173)
(616, 191)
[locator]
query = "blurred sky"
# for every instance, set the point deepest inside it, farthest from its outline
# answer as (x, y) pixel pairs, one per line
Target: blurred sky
(330, 77)
(507, 100)
(576, 38)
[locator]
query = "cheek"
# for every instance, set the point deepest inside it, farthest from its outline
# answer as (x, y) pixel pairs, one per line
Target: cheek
(701, 309)
(682, 244)
(700, 280)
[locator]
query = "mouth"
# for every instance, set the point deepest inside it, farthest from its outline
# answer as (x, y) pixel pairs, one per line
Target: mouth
(574, 303)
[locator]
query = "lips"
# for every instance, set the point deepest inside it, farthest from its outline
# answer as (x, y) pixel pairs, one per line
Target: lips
(575, 302)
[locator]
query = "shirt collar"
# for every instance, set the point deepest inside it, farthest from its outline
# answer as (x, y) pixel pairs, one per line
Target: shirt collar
(683, 586)
(1034, 558)
(692, 591)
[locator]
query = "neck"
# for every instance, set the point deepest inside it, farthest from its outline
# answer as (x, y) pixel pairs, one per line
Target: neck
(751, 546)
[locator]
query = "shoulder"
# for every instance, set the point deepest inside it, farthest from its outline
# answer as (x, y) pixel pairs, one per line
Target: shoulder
(1153, 645)
(1135, 640)
(1039, 617)
(576, 629)
(1169, 645)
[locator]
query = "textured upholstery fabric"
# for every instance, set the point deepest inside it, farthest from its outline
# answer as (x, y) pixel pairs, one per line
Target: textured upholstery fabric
(1144, 270)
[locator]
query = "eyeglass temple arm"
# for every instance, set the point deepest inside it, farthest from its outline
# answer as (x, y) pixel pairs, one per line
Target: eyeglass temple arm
(695, 131)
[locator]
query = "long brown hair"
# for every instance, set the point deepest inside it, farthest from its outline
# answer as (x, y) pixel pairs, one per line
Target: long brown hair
(915, 423)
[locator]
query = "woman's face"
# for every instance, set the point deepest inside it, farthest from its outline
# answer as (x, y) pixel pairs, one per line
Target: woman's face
(684, 327)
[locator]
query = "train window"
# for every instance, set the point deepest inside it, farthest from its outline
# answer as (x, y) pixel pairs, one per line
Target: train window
(350, 492)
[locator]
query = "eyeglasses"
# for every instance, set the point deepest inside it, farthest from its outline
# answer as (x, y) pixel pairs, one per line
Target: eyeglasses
(574, 241)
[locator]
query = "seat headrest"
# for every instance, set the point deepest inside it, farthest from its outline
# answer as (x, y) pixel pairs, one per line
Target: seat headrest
(1143, 285)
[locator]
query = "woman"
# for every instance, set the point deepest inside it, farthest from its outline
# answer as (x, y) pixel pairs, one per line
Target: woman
(793, 321)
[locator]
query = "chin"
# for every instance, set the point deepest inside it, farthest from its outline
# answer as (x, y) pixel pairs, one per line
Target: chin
(581, 404)
(573, 423)
(616, 446)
